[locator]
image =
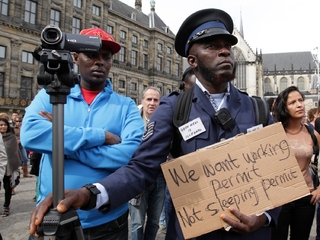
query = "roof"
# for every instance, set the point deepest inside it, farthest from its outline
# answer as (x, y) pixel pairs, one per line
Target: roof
(125, 10)
(288, 61)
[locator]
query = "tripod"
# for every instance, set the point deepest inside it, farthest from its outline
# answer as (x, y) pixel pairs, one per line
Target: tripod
(57, 74)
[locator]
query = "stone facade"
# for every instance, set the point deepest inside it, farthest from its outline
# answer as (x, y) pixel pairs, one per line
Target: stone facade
(148, 57)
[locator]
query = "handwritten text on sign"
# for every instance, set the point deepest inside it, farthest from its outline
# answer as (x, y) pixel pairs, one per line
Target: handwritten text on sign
(247, 173)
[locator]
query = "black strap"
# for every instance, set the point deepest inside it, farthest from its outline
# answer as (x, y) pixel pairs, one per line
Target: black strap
(183, 107)
(180, 116)
(315, 144)
(314, 165)
(261, 110)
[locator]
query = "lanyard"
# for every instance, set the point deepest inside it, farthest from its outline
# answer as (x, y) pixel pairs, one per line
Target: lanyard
(213, 102)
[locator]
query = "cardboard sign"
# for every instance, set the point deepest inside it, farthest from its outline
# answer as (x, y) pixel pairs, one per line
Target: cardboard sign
(253, 172)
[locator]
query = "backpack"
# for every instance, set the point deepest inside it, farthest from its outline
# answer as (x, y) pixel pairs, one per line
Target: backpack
(182, 111)
(313, 166)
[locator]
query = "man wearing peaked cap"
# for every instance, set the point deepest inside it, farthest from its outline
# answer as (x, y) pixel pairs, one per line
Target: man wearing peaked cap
(204, 24)
(205, 39)
(102, 130)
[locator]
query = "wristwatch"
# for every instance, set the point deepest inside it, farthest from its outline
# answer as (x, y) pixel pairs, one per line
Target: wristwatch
(94, 191)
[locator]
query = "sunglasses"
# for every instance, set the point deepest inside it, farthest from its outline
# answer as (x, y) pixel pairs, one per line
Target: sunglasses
(18, 121)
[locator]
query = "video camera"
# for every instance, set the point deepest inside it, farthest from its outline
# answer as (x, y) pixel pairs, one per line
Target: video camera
(56, 73)
(54, 54)
(53, 38)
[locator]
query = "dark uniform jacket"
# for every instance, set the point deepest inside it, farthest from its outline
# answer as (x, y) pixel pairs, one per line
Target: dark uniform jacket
(144, 167)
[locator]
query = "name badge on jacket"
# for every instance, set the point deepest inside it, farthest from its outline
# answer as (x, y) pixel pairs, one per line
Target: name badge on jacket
(192, 129)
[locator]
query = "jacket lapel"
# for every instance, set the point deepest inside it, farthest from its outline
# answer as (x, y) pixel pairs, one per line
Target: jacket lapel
(203, 102)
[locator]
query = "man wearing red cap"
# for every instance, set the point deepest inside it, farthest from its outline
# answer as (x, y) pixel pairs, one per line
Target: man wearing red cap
(205, 39)
(102, 129)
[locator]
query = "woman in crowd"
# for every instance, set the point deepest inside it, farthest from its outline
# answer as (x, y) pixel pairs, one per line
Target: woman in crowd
(13, 162)
(23, 152)
(312, 116)
(289, 109)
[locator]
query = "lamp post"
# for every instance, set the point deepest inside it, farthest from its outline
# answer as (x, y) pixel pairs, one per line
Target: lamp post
(315, 56)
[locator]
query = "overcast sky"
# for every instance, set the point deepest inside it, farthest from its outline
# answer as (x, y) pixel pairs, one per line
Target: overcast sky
(273, 26)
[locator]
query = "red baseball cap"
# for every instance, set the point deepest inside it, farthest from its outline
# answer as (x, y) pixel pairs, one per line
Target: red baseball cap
(106, 38)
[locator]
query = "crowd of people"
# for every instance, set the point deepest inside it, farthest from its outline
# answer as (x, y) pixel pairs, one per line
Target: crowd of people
(113, 150)
(16, 157)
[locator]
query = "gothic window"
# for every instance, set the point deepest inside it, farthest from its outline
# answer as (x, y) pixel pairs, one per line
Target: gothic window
(267, 85)
(283, 84)
(300, 83)
(241, 73)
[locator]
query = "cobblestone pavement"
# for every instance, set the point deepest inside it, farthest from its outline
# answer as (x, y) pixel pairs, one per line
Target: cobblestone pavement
(15, 226)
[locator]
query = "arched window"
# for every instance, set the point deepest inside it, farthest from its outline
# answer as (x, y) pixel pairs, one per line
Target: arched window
(300, 83)
(283, 84)
(267, 85)
(241, 73)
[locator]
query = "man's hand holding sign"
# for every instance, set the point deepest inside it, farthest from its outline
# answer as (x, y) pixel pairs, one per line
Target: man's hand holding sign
(245, 175)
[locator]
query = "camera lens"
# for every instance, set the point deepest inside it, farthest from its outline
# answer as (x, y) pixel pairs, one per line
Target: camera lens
(51, 35)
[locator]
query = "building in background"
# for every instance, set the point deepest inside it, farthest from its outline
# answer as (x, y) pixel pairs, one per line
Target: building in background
(281, 70)
(147, 57)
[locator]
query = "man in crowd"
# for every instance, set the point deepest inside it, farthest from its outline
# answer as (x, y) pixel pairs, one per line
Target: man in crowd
(188, 79)
(148, 204)
(205, 39)
(13, 118)
(102, 129)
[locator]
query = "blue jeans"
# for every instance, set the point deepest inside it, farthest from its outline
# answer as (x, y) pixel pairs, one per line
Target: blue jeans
(162, 219)
(152, 200)
(299, 216)
(24, 156)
